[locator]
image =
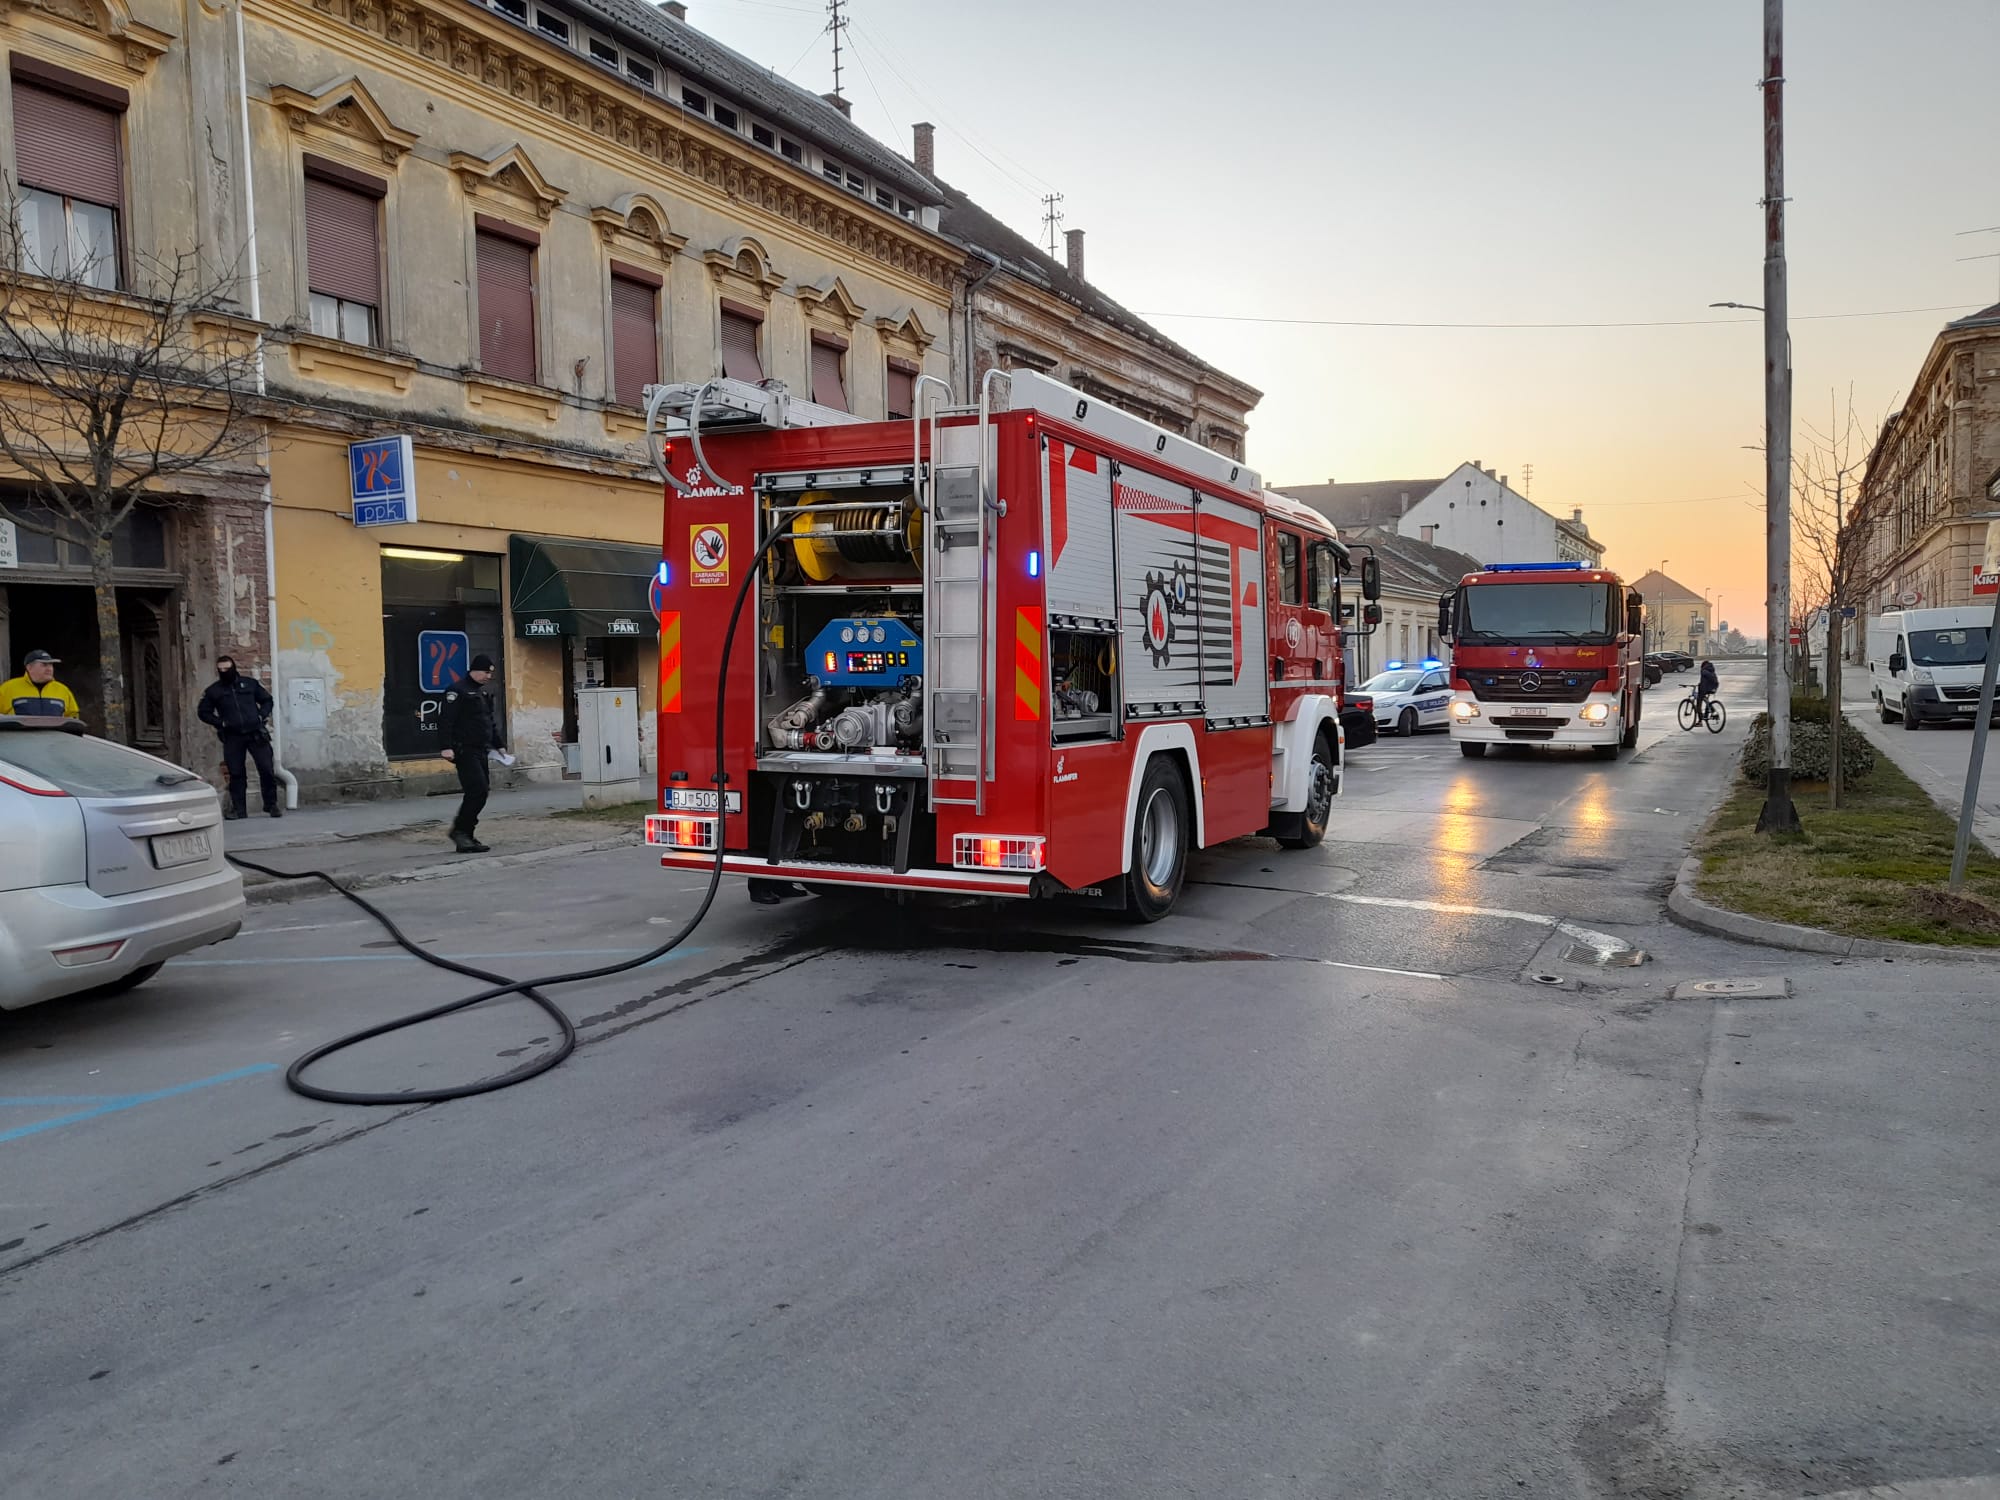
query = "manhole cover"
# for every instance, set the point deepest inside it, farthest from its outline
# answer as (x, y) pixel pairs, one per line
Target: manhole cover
(1734, 989)
(1546, 978)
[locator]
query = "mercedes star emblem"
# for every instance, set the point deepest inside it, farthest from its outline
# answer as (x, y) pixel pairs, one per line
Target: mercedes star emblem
(1531, 682)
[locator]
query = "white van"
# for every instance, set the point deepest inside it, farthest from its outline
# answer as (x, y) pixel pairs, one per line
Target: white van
(1924, 665)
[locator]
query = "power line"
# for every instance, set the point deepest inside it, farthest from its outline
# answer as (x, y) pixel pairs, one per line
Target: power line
(1888, 312)
(944, 120)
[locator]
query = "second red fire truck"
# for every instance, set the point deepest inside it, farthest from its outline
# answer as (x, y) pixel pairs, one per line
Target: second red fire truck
(1544, 653)
(1036, 647)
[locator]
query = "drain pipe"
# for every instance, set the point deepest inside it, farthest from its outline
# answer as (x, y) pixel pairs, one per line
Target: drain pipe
(973, 284)
(285, 777)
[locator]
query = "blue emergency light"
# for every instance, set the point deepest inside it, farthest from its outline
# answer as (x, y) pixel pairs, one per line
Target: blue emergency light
(1034, 565)
(1547, 567)
(1432, 665)
(1390, 666)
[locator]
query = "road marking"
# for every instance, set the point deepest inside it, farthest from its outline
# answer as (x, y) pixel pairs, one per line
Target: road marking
(1603, 942)
(114, 1103)
(1334, 963)
(405, 958)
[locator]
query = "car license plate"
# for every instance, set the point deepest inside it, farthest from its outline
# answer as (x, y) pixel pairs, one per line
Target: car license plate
(171, 849)
(1532, 711)
(696, 799)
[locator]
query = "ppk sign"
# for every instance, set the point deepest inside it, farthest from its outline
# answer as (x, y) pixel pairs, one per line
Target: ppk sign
(382, 481)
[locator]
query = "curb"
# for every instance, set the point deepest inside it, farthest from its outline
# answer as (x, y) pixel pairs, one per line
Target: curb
(1689, 910)
(267, 892)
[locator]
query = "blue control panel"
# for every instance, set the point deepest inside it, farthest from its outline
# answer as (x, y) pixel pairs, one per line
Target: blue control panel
(866, 653)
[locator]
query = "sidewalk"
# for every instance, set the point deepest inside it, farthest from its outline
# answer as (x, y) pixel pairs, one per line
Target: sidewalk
(1935, 759)
(382, 843)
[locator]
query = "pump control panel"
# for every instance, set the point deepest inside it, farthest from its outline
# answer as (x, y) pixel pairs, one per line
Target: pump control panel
(874, 652)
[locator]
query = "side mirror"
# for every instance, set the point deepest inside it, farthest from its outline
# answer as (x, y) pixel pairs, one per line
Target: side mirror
(1897, 661)
(1635, 617)
(1445, 602)
(1371, 577)
(1371, 613)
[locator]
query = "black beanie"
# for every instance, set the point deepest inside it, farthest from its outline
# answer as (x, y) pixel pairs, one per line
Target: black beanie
(481, 663)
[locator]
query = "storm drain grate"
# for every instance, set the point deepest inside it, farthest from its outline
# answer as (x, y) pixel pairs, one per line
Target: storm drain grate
(1611, 958)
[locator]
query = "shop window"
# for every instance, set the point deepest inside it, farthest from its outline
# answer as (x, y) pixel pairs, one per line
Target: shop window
(44, 540)
(70, 167)
(439, 610)
(741, 326)
(344, 253)
(506, 306)
(635, 336)
(829, 379)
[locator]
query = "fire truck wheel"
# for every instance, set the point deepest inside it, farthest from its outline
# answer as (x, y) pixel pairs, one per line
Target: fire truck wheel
(1630, 739)
(1319, 801)
(1159, 843)
(1604, 752)
(1471, 749)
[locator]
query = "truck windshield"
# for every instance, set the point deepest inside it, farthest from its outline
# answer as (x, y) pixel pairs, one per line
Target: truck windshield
(1536, 611)
(1961, 647)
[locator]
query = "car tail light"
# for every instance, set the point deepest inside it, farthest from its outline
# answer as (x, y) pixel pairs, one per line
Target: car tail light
(33, 785)
(978, 851)
(89, 953)
(1363, 702)
(680, 831)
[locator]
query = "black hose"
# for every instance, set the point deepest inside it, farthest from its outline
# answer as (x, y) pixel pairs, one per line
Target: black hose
(501, 985)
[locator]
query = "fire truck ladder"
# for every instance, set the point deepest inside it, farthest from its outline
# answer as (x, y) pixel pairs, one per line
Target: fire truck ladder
(957, 496)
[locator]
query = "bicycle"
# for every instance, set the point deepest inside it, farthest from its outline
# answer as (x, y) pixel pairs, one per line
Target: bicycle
(1692, 711)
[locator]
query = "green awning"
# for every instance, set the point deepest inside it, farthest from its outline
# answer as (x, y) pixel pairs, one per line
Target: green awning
(563, 587)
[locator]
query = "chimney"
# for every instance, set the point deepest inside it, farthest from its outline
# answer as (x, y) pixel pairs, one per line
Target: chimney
(1503, 481)
(1073, 251)
(675, 10)
(926, 147)
(840, 103)
(1475, 464)
(1576, 515)
(1489, 473)
(1403, 507)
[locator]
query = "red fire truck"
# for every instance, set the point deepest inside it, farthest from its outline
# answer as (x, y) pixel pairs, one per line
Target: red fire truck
(1547, 653)
(1037, 647)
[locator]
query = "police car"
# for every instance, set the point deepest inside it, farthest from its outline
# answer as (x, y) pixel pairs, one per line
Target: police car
(1410, 696)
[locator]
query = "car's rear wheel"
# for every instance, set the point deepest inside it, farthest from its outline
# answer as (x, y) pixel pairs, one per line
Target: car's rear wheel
(1471, 750)
(1159, 844)
(125, 982)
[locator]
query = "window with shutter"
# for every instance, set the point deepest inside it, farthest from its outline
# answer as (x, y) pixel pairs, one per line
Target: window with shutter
(72, 174)
(635, 339)
(829, 389)
(506, 307)
(740, 360)
(343, 260)
(902, 386)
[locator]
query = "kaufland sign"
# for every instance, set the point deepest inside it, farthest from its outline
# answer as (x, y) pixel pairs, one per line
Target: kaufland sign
(1986, 573)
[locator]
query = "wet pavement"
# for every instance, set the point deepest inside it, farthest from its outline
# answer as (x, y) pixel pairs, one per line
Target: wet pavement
(1379, 1169)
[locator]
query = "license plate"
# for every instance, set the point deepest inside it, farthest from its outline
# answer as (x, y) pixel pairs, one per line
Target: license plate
(1529, 711)
(171, 849)
(695, 799)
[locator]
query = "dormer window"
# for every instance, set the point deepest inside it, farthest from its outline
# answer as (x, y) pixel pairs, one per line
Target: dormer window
(763, 136)
(516, 9)
(792, 151)
(603, 52)
(641, 73)
(725, 117)
(698, 103)
(550, 24)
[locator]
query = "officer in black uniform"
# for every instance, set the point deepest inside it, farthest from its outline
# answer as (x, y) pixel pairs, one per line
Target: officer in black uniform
(467, 723)
(238, 708)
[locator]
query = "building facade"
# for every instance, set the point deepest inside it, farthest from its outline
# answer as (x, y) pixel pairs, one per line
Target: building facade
(1929, 473)
(1415, 575)
(1677, 618)
(1020, 308)
(468, 236)
(1472, 511)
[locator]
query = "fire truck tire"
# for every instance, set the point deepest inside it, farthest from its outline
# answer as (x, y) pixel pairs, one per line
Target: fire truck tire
(1311, 824)
(1604, 752)
(1471, 749)
(1159, 843)
(1630, 739)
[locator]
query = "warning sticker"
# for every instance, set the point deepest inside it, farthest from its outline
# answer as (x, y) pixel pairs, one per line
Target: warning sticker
(708, 550)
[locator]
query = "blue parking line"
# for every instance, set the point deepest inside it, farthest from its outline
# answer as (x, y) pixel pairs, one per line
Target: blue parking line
(405, 958)
(112, 1104)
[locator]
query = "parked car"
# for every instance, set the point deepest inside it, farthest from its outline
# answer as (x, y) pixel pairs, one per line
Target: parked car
(110, 863)
(1409, 698)
(1655, 668)
(1357, 720)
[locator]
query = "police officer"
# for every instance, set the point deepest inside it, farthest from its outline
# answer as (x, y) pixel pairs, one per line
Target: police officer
(238, 709)
(467, 723)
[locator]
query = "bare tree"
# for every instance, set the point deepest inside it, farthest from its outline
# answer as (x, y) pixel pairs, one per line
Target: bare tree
(107, 398)
(1830, 561)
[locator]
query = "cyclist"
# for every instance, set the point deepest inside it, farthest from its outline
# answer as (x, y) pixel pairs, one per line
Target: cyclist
(1704, 690)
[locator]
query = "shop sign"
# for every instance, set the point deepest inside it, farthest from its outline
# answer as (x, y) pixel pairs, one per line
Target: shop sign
(623, 627)
(10, 548)
(1986, 572)
(708, 550)
(382, 481)
(541, 627)
(442, 657)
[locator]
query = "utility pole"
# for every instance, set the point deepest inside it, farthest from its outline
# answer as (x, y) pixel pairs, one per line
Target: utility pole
(1051, 217)
(1528, 481)
(1778, 814)
(836, 27)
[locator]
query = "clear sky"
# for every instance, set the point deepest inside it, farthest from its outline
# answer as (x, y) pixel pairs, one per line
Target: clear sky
(1476, 161)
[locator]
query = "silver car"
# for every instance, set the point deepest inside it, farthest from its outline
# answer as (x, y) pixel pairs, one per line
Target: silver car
(110, 863)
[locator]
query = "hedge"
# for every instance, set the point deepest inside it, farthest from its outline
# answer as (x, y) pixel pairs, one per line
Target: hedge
(1810, 742)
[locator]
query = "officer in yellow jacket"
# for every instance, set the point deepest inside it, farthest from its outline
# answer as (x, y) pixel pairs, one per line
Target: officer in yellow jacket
(36, 693)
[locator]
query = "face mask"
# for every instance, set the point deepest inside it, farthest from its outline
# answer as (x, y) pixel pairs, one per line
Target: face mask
(229, 674)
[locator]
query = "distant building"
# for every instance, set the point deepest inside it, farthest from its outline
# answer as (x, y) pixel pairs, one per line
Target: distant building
(1471, 510)
(1677, 618)
(1929, 473)
(1021, 308)
(1415, 574)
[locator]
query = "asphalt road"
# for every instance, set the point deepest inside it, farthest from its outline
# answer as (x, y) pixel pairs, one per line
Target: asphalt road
(1376, 1170)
